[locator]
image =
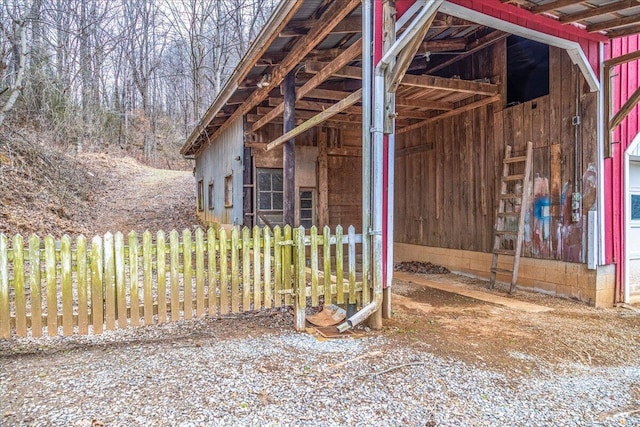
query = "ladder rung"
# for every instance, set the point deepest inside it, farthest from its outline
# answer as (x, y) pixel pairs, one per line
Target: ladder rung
(508, 214)
(501, 270)
(504, 252)
(506, 233)
(518, 177)
(517, 159)
(510, 196)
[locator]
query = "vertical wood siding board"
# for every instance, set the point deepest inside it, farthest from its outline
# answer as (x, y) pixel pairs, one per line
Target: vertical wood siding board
(481, 207)
(432, 213)
(20, 299)
(81, 275)
(36, 285)
(472, 182)
(161, 260)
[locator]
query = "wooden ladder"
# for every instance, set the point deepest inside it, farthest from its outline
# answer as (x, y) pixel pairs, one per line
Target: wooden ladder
(509, 226)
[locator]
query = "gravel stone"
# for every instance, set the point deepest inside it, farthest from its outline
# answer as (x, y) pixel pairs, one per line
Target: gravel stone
(190, 374)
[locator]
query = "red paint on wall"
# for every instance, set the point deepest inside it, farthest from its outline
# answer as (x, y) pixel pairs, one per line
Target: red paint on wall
(624, 82)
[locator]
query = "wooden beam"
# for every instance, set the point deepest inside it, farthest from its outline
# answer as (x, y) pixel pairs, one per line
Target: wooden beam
(299, 28)
(344, 58)
(473, 47)
(443, 45)
(332, 16)
(622, 59)
(457, 111)
(289, 150)
(599, 10)
(404, 59)
(613, 23)
(314, 67)
(547, 7)
(334, 95)
(319, 118)
(622, 32)
(453, 85)
(424, 104)
(300, 114)
(625, 110)
(323, 178)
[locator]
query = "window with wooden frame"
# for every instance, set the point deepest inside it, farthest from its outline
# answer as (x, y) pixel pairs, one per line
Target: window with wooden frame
(228, 191)
(200, 195)
(270, 197)
(210, 196)
(307, 207)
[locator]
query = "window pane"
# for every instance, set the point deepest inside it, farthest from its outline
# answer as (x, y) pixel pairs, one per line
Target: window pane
(277, 201)
(306, 195)
(265, 201)
(264, 181)
(635, 206)
(277, 181)
(306, 204)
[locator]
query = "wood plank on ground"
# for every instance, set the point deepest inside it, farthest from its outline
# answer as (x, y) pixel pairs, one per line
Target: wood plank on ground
(455, 287)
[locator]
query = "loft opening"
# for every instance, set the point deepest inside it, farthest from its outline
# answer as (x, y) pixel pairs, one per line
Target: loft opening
(527, 70)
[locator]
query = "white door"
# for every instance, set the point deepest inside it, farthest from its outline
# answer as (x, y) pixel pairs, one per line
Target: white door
(633, 236)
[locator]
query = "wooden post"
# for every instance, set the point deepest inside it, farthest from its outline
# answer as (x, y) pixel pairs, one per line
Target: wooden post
(289, 149)
(323, 178)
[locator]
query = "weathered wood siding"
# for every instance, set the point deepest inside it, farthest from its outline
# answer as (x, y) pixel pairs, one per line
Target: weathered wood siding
(343, 186)
(345, 177)
(213, 164)
(447, 173)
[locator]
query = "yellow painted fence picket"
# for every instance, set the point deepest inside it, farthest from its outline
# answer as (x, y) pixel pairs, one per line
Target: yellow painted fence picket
(72, 286)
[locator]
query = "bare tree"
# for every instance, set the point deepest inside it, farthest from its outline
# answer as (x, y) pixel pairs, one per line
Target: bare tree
(13, 49)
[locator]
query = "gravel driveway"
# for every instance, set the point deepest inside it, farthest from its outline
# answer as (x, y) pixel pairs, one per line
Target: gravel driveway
(254, 371)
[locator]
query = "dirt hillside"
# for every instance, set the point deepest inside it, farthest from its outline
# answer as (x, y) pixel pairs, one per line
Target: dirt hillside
(45, 191)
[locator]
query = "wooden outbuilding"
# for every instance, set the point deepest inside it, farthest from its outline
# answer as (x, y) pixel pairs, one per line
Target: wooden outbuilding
(414, 155)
